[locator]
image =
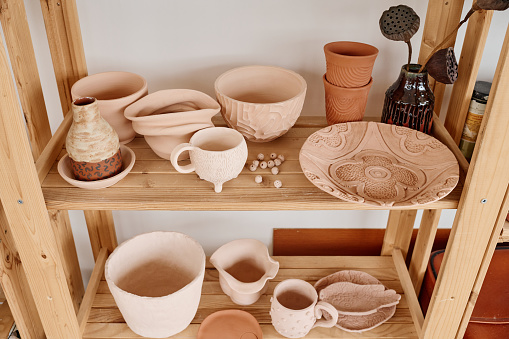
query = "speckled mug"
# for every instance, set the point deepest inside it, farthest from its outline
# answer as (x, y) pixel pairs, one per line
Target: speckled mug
(295, 309)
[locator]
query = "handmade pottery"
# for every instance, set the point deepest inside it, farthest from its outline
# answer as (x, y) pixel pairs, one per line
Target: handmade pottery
(378, 164)
(65, 171)
(353, 299)
(295, 309)
(409, 101)
(345, 104)
(356, 277)
(244, 268)
(114, 92)
(349, 63)
(261, 102)
(156, 280)
(230, 324)
(91, 143)
(170, 117)
(217, 154)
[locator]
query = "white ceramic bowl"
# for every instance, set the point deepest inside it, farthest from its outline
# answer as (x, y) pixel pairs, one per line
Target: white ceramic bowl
(261, 102)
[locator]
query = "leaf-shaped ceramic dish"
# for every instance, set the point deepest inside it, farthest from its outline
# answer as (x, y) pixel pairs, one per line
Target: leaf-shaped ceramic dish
(363, 323)
(353, 299)
(379, 164)
(356, 277)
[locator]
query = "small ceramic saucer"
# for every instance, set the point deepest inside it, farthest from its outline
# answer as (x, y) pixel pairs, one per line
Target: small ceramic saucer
(230, 324)
(64, 169)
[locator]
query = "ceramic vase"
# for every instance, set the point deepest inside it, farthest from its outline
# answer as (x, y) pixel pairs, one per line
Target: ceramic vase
(156, 280)
(345, 104)
(114, 91)
(349, 63)
(91, 143)
(261, 102)
(410, 101)
(170, 117)
(244, 268)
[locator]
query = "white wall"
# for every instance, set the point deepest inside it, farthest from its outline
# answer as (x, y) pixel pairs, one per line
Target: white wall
(187, 44)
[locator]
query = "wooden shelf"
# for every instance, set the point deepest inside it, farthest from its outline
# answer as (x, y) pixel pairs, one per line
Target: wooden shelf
(504, 236)
(105, 320)
(153, 184)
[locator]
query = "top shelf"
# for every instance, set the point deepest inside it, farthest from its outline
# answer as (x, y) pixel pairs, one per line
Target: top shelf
(153, 184)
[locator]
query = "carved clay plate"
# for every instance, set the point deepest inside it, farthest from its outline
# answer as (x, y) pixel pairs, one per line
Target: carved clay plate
(379, 164)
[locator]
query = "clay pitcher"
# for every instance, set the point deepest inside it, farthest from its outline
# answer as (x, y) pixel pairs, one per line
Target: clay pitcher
(244, 267)
(92, 143)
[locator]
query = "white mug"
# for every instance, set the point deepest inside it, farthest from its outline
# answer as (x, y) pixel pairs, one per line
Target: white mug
(295, 309)
(218, 154)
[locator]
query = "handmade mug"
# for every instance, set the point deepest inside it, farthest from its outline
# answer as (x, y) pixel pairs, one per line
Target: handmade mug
(217, 155)
(295, 309)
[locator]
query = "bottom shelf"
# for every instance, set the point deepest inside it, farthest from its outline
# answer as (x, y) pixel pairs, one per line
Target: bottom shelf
(105, 320)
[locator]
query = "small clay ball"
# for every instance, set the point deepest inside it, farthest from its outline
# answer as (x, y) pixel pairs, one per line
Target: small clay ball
(277, 162)
(270, 163)
(263, 164)
(258, 179)
(253, 168)
(273, 156)
(256, 163)
(281, 157)
(278, 184)
(260, 156)
(274, 170)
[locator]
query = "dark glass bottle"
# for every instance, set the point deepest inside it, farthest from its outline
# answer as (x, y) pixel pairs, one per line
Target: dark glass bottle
(409, 101)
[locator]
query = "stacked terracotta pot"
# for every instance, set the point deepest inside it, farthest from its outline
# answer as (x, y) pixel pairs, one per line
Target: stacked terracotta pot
(348, 80)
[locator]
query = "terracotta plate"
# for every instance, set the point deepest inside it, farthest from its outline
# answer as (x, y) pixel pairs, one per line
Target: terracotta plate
(378, 164)
(64, 169)
(230, 324)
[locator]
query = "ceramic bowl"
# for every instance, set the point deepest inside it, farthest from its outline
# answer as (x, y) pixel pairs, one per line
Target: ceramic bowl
(114, 91)
(170, 117)
(230, 324)
(261, 102)
(65, 171)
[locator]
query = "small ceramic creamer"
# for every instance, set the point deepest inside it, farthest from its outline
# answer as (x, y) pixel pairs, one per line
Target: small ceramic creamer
(244, 268)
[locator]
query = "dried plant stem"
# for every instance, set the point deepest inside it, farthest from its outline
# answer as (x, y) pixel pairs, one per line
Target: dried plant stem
(409, 55)
(441, 45)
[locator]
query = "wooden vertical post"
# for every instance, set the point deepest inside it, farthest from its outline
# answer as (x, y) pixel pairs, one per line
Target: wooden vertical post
(478, 211)
(399, 231)
(24, 206)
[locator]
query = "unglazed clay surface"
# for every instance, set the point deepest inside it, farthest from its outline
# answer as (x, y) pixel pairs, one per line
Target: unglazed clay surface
(362, 323)
(352, 299)
(261, 102)
(356, 277)
(378, 164)
(244, 267)
(230, 324)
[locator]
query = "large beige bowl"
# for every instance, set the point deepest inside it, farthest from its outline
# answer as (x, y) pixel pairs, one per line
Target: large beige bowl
(261, 102)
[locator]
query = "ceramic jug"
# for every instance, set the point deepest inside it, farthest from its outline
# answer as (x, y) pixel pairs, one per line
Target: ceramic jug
(244, 268)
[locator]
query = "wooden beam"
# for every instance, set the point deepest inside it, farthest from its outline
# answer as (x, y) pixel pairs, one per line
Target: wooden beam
(478, 210)
(101, 234)
(441, 133)
(399, 231)
(24, 205)
(468, 67)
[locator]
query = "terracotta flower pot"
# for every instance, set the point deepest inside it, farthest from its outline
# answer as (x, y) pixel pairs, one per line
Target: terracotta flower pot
(156, 280)
(349, 64)
(114, 92)
(170, 117)
(345, 104)
(261, 102)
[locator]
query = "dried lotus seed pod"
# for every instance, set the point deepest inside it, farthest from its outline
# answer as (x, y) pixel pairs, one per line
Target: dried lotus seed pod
(495, 5)
(263, 165)
(253, 168)
(260, 156)
(273, 156)
(399, 23)
(278, 184)
(258, 179)
(274, 170)
(277, 162)
(443, 67)
(270, 163)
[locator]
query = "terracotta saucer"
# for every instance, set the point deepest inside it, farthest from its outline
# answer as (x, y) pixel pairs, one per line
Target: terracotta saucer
(230, 324)
(378, 164)
(128, 159)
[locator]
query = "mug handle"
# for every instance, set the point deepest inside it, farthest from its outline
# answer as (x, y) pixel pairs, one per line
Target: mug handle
(323, 306)
(175, 155)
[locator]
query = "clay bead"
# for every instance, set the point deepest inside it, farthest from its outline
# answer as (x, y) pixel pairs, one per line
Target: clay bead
(281, 157)
(277, 162)
(253, 168)
(263, 164)
(273, 156)
(260, 156)
(270, 164)
(274, 170)
(278, 184)
(258, 179)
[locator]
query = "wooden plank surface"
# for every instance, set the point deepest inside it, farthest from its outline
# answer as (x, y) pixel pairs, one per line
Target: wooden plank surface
(398, 234)
(106, 321)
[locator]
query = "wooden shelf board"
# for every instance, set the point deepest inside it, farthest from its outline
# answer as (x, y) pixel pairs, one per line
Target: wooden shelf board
(153, 184)
(504, 237)
(106, 321)
(6, 319)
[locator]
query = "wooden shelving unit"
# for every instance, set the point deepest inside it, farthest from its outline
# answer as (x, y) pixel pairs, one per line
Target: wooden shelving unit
(44, 285)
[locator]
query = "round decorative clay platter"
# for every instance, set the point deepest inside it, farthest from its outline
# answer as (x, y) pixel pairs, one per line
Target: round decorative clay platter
(379, 164)
(230, 324)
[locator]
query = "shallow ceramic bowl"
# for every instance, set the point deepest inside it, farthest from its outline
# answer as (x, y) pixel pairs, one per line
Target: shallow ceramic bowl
(261, 102)
(230, 324)
(65, 171)
(170, 117)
